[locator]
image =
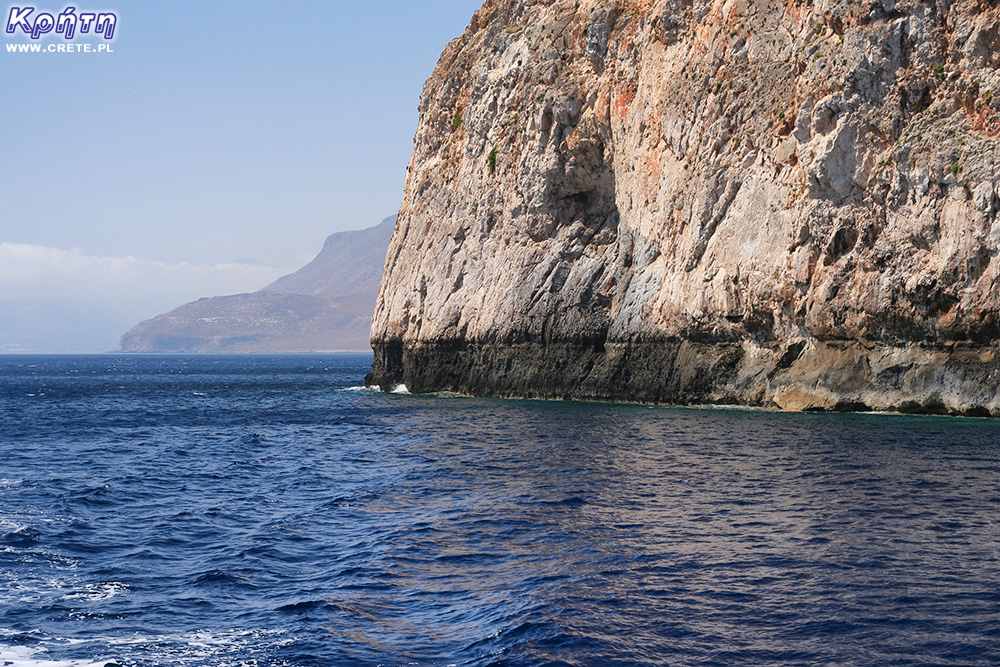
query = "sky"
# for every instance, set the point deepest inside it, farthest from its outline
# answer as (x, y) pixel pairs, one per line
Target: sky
(212, 151)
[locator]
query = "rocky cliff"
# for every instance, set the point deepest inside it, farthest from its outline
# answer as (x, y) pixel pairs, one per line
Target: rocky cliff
(325, 306)
(788, 204)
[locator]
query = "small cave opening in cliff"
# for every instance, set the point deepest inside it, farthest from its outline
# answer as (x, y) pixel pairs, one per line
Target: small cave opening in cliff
(842, 242)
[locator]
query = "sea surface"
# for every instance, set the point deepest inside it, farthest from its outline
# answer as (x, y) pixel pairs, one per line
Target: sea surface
(262, 511)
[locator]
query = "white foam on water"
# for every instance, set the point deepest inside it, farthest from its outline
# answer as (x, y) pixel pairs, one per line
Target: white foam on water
(30, 591)
(26, 656)
(9, 526)
(98, 592)
(398, 389)
(35, 590)
(235, 648)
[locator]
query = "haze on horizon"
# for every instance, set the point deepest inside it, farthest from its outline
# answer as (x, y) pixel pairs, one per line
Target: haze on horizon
(211, 153)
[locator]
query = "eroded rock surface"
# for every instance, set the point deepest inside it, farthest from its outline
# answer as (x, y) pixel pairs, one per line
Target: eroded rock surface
(686, 201)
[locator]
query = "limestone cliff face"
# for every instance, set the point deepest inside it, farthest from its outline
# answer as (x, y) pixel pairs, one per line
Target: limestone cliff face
(784, 204)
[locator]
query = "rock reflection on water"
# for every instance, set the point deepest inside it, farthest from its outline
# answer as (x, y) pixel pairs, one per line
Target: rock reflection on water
(681, 536)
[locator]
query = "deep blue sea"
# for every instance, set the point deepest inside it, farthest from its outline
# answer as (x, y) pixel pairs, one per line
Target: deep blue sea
(261, 511)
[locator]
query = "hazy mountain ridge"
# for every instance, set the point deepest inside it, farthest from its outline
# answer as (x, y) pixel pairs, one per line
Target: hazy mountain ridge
(325, 306)
(350, 263)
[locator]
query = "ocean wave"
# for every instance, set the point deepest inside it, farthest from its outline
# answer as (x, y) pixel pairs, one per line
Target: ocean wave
(413, 530)
(234, 648)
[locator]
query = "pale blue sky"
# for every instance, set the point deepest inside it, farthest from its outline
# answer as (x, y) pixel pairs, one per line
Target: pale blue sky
(218, 131)
(212, 152)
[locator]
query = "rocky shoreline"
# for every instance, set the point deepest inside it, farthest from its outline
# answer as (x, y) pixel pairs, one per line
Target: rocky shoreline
(838, 376)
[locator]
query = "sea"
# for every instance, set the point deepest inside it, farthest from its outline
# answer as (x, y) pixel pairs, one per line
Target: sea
(266, 511)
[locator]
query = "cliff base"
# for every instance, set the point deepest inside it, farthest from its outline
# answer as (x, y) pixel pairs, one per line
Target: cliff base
(801, 375)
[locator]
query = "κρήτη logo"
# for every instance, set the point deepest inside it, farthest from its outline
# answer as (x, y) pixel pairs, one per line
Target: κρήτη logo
(68, 23)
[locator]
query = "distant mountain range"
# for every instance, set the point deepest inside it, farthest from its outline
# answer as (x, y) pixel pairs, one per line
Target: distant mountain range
(326, 306)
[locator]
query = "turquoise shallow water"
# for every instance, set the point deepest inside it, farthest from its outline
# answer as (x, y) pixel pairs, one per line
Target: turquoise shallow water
(266, 511)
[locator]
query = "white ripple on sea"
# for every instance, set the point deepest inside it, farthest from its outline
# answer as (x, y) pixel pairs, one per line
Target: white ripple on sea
(97, 592)
(39, 590)
(9, 527)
